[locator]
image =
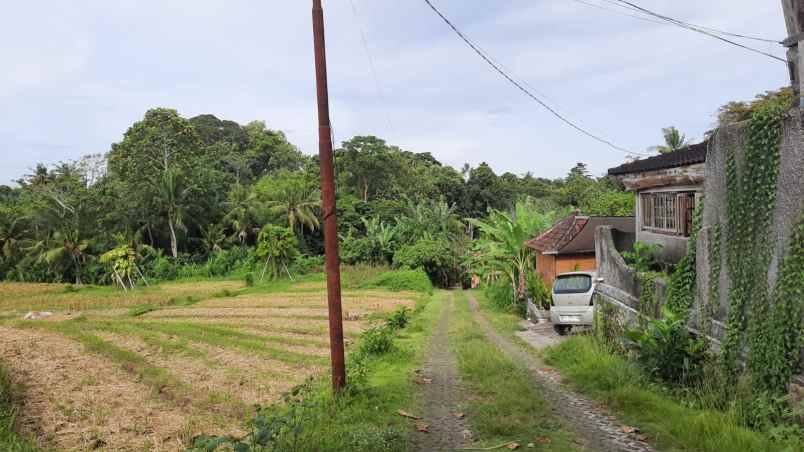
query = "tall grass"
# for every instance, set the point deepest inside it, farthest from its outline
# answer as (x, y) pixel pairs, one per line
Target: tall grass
(9, 440)
(399, 280)
(623, 387)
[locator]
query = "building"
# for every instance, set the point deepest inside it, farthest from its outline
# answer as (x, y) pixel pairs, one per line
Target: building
(667, 187)
(570, 244)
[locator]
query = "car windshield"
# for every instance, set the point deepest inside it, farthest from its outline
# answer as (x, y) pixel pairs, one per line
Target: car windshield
(572, 284)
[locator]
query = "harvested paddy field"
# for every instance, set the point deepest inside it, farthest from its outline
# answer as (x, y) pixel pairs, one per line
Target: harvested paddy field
(152, 368)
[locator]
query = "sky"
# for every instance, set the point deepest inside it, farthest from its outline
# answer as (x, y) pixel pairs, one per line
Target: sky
(76, 75)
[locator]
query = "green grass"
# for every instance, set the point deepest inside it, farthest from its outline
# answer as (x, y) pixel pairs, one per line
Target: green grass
(504, 405)
(399, 280)
(622, 386)
(9, 440)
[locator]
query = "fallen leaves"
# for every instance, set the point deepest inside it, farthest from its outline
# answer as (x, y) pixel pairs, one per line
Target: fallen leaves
(404, 413)
(629, 429)
(544, 440)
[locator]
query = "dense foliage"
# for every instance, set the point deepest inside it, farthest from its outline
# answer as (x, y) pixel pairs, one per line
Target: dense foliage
(181, 197)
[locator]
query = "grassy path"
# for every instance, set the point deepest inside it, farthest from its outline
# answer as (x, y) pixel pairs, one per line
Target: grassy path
(441, 394)
(600, 431)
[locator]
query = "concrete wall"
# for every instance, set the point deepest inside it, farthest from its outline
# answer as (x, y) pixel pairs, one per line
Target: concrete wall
(789, 204)
(673, 247)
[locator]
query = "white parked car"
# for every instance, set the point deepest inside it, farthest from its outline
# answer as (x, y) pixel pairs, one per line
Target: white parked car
(572, 303)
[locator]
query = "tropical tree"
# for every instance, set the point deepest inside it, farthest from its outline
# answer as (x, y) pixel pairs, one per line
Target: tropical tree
(213, 237)
(174, 197)
(278, 246)
(673, 141)
(501, 247)
(290, 195)
(66, 250)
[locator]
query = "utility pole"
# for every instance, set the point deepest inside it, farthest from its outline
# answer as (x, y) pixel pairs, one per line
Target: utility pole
(332, 262)
(794, 19)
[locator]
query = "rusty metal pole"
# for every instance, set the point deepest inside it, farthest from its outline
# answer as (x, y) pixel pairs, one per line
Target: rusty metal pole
(332, 264)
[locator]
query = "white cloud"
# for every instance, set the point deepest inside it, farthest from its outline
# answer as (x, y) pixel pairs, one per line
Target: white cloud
(77, 75)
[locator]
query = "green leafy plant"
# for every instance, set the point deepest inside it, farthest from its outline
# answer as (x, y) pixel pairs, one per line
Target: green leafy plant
(644, 256)
(399, 318)
(377, 340)
(277, 246)
(666, 350)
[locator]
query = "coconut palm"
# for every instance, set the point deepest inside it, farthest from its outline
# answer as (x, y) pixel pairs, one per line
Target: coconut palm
(673, 139)
(174, 196)
(66, 249)
(289, 195)
(12, 232)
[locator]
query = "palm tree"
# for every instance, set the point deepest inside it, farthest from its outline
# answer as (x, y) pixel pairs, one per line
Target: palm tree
(12, 231)
(68, 248)
(239, 216)
(290, 196)
(673, 139)
(173, 196)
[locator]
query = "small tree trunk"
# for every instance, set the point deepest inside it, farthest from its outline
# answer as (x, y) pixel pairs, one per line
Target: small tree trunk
(174, 248)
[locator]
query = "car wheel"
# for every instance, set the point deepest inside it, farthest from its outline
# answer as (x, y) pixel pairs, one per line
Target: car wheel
(562, 330)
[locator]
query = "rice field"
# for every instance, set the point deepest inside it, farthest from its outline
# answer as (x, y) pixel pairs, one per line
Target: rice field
(151, 368)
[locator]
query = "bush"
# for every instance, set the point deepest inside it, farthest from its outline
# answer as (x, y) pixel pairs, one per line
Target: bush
(399, 318)
(398, 280)
(303, 264)
(376, 340)
(163, 269)
(434, 256)
(249, 279)
(666, 350)
(537, 290)
(501, 296)
(644, 257)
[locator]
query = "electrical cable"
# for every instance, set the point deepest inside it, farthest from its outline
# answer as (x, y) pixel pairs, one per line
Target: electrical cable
(698, 29)
(520, 86)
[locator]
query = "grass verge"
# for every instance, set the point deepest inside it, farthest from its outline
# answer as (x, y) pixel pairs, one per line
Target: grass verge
(505, 406)
(9, 440)
(622, 386)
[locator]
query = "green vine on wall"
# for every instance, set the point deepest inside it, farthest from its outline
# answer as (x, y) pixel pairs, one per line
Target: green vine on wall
(648, 304)
(682, 284)
(779, 358)
(710, 307)
(750, 202)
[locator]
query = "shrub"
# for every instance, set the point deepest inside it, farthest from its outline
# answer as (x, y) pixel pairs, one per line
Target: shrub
(399, 318)
(376, 340)
(537, 290)
(434, 256)
(307, 264)
(249, 279)
(666, 350)
(501, 295)
(163, 269)
(644, 257)
(398, 280)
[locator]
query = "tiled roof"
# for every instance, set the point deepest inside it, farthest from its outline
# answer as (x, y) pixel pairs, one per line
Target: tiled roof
(689, 155)
(576, 233)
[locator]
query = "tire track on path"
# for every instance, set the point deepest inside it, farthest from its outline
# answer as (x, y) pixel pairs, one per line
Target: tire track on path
(601, 431)
(441, 398)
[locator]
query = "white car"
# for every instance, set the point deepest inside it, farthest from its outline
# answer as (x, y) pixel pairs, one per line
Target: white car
(572, 300)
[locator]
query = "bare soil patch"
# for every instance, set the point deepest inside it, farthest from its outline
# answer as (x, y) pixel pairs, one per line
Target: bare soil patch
(74, 400)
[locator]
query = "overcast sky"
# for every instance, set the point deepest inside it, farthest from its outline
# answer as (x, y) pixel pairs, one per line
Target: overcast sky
(75, 75)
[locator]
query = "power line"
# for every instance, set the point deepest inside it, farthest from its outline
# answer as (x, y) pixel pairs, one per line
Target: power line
(615, 11)
(519, 86)
(698, 29)
(713, 30)
(372, 68)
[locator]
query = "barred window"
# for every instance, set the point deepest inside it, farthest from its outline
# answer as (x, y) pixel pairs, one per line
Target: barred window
(667, 212)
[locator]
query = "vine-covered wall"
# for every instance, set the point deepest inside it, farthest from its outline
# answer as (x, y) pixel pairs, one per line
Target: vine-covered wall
(747, 264)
